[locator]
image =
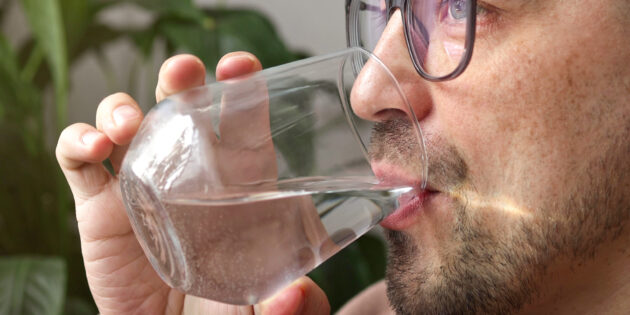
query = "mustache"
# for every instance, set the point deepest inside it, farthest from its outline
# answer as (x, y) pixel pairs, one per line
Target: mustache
(396, 142)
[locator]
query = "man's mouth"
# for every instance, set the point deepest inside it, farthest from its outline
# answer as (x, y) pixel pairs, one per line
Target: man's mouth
(410, 204)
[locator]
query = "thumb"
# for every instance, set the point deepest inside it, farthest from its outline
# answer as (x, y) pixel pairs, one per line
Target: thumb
(302, 297)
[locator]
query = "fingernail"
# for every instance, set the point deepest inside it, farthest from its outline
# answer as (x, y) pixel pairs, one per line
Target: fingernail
(124, 113)
(241, 58)
(249, 57)
(90, 137)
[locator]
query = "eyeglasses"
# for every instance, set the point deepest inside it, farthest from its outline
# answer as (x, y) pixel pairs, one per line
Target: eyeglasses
(440, 34)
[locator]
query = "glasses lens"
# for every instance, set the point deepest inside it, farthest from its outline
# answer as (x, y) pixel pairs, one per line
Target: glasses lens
(437, 31)
(437, 34)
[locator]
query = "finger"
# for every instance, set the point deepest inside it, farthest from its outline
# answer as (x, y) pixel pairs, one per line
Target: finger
(245, 113)
(245, 124)
(119, 117)
(372, 300)
(179, 73)
(316, 300)
(79, 151)
(197, 305)
(245, 102)
(302, 297)
(237, 64)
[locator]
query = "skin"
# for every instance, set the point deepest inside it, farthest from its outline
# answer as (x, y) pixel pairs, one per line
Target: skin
(528, 159)
(530, 167)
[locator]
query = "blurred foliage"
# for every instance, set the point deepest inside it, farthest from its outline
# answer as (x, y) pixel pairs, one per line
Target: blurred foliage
(350, 271)
(36, 208)
(32, 286)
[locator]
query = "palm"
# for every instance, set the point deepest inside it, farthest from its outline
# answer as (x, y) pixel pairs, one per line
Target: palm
(119, 273)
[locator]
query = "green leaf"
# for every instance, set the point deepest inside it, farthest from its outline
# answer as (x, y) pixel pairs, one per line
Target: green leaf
(8, 75)
(222, 31)
(7, 58)
(296, 141)
(251, 31)
(76, 306)
(351, 270)
(46, 23)
(76, 17)
(373, 252)
(144, 41)
(95, 37)
(192, 38)
(32, 285)
(3, 10)
(28, 194)
(183, 9)
(19, 100)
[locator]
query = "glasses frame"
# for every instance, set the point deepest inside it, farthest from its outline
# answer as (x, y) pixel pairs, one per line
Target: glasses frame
(352, 33)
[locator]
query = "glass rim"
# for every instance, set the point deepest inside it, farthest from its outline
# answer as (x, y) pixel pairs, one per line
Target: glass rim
(345, 98)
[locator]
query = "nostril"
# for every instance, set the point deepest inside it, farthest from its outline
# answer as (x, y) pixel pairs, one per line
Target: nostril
(390, 114)
(375, 96)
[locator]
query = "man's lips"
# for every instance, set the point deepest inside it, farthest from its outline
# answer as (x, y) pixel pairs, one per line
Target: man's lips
(410, 204)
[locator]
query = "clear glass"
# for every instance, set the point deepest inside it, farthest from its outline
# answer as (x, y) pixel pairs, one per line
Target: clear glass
(237, 188)
(439, 34)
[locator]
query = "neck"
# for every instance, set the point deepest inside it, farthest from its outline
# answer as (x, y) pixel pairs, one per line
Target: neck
(596, 285)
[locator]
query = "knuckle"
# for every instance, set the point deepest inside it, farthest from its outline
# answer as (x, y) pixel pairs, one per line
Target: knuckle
(71, 131)
(63, 150)
(109, 103)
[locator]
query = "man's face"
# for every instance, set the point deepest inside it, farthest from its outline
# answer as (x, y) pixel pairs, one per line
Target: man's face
(528, 153)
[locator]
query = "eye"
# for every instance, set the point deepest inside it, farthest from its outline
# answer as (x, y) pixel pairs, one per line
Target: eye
(457, 9)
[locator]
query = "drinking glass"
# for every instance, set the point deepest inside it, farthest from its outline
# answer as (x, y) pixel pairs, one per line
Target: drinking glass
(239, 187)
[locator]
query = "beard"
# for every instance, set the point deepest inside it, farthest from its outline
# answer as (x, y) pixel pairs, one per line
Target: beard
(487, 272)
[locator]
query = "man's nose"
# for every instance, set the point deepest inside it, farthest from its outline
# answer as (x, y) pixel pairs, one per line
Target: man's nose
(374, 97)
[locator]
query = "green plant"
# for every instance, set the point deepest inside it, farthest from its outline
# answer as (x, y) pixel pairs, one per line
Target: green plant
(36, 209)
(32, 285)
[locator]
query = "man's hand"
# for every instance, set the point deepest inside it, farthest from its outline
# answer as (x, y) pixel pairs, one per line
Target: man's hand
(120, 276)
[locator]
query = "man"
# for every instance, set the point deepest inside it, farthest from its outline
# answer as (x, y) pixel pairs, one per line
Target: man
(529, 195)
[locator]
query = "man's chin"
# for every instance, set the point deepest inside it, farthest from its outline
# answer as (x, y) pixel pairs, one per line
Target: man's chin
(451, 268)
